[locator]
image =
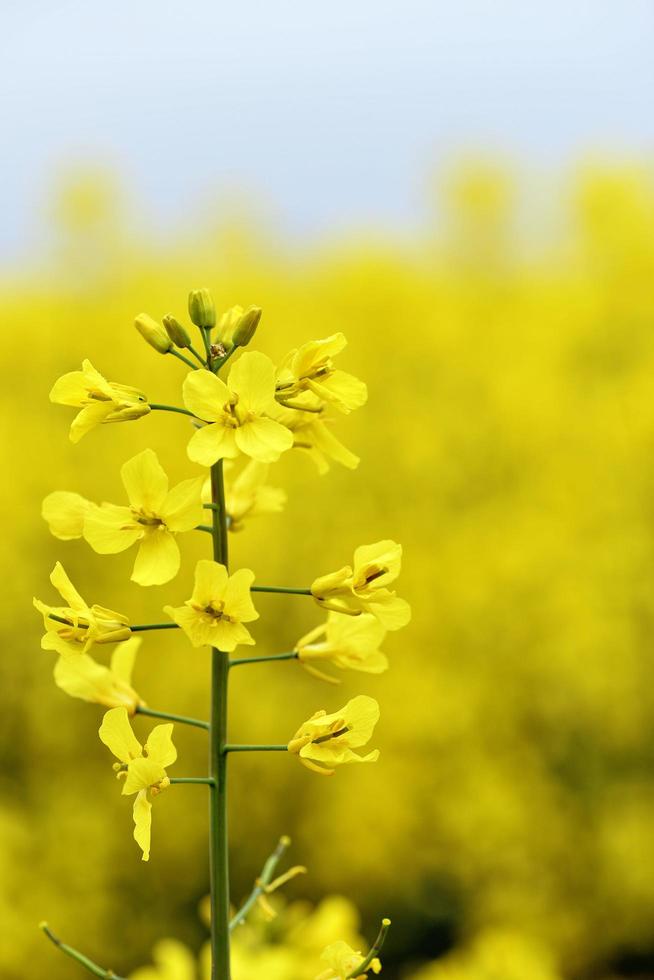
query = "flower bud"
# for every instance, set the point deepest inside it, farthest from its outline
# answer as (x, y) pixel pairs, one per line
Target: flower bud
(153, 333)
(201, 308)
(228, 323)
(247, 326)
(176, 331)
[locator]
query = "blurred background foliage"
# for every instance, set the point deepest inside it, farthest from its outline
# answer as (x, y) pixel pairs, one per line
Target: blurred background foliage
(508, 443)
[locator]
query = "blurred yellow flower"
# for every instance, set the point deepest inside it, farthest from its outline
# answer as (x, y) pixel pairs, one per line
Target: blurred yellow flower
(247, 494)
(65, 512)
(326, 740)
(220, 604)
(154, 516)
(78, 626)
(310, 368)
(313, 435)
(99, 400)
(343, 961)
(173, 961)
(348, 642)
(82, 677)
(143, 768)
(237, 413)
(363, 587)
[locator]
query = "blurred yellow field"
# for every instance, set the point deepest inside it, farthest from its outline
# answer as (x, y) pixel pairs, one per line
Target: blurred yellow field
(508, 444)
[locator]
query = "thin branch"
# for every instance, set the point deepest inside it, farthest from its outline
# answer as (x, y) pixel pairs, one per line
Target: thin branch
(264, 879)
(240, 661)
(188, 780)
(137, 628)
(204, 527)
(74, 954)
(180, 357)
(168, 716)
(376, 949)
(171, 408)
(281, 589)
(255, 748)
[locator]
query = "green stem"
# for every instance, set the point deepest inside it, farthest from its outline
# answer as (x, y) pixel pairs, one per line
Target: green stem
(204, 527)
(92, 967)
(196, 355)
(188, 780)
(143, 628)
(239, 661)
(142, 709)
(218, 840)
(225, 359)
(264, 879)
(180, 357)
(206, 340)
(171, 408)
(254, 748)
(280, 589)
(375, 951)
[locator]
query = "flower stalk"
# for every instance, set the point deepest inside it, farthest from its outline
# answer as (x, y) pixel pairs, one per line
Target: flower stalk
(74, 954)
(142, 709)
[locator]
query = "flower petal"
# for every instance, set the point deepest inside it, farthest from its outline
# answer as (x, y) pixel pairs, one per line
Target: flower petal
(145, 481)
(238, 598)
(66, 589)
(65, 513)
(88, 418)
(158, 558)
(159, 745)
(110, 529)
(252, 378)
(210, 582)
(263, 439)
(182, 509)
(211, 443)
(205, 395)
(142, 814)
(116, 733)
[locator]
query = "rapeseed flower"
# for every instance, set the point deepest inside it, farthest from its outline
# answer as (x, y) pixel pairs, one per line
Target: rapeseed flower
(82, 677)
(312, 434)
(65, 513)
(220, 604)
(99, 400)
(310, 368)
(143, 768)
(78, 626)
(343, 961)
(247, 495)
(237, 413)
(348, 642)
(363, 587)
(172, 961)
(325, 741)
(154, 516)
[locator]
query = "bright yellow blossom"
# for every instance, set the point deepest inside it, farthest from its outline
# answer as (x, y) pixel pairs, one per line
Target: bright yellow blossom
(237, 413)
(363, 587)
(173, 961)
(220, 604)
(143, 768)
(65, 513)
(82, 677)
(99, 400)
(312, 433)
(154, 516)
(325, 741)
(310, 368)
(247, 495)
(82, 625)
(343, 961)
(348, 642)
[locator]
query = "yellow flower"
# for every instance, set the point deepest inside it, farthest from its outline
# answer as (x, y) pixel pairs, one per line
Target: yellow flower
(312, 433)
(347, 642)
(82, 677)
(236, 412)
(310, 368)
(343, 961)
(99, 400)
(326, 740)
(154, 516)
(65, 513)
(220, 604)
(83, 625)
(247, 495)
(143, 768)
(173, 961)
(363, 588)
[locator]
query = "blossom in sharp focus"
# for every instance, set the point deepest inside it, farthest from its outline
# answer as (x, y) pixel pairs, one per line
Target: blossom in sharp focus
(154, 516)
(310, 368)
(348, 642)
(326, 741)
(65, 513)
(99, 400)
(82, 677)
(343, 961)
(220, 604)
(237, 413)
(142, 767)
(78, 626)
(313, 435)
(247, 495)
(363, 587)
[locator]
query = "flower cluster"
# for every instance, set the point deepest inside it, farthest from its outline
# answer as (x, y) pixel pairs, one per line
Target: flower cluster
(239, 426)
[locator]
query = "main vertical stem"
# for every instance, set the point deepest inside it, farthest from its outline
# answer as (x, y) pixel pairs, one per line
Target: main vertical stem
(218, 840)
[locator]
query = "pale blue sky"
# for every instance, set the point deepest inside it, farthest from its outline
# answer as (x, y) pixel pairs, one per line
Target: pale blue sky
(334, 112)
